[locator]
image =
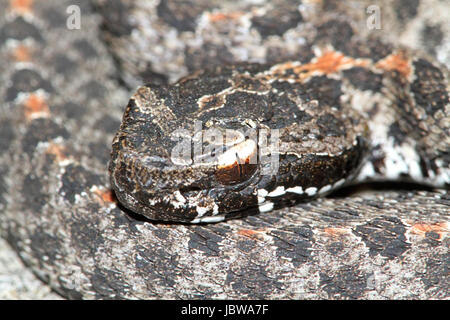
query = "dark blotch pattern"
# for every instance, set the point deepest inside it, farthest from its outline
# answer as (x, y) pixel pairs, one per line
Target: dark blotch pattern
(247, 278)
(101, 151)
(115, 17)
(210, 54)
(437, 271)
(341, 35)
(277, 21)
(3, 185)
(294, 243)
(363, 79)
(182, 14)
(109, 284)
(150, 76)
(85, 232)
(285, 112)
(398, 134)
(432, 37)
(85, 49)
(6, 135)
(277, 54)
(330, 125)
(51, 249)
(55, 18)
(429, 87)
(41, 130)
(206, 241)
(26, 81)
(34, 196)
(108, 124)
(71, 110)
(347, 283)
(93, 90)
(327, 91)
(19, 29)
(384, 236)
(338, 33)
(64, 66)
(374, 49)
(406, 9)
(154, 261)
(77, 179)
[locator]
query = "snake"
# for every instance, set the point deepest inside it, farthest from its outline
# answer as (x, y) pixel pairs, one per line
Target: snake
(95, 201)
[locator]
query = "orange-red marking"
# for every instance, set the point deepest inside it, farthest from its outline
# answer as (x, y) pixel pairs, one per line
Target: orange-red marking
(21, 6)
(396, 62)
(106, 196)
(330, 62)
(58, 151)
(421, 229)
(36, 106)
(253, 234)
(336, 231)
(21, 53)
(219, 16)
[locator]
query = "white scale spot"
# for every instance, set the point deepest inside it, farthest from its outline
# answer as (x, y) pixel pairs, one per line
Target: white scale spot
(179, 197)
(209, 219)
(215, 209)
(297, 190)
(201, 211)
(325, 189)
(311, 191)
(279, 191)
(179, 200)
(367, 172)
(266, 207)
(412, 161)
(262, 193)
(339, 183)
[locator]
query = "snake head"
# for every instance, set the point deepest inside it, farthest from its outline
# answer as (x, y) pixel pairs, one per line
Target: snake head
(227, 141)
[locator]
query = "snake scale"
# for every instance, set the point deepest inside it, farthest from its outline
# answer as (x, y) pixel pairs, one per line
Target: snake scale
(352, 102)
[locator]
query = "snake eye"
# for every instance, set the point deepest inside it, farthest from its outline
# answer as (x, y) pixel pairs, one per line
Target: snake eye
(238, 163)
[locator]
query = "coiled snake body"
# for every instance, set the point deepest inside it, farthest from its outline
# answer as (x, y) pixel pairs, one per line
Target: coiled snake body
(348, 106)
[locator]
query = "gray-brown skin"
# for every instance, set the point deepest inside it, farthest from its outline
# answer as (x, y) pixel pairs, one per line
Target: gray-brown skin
(56, 209)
